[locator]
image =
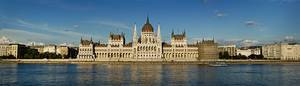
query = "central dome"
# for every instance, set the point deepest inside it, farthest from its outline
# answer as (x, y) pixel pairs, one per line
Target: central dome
(147, 27)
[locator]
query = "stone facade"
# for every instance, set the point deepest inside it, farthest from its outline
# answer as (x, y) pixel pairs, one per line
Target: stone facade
(86, 49)
(11, 49)
(231, 49)
(247, 51)
(207, 50)
(272, 51)
(282, 51)
(147, 47)
(63, 50)
(290, 52)
(50, 49)
(39, 48)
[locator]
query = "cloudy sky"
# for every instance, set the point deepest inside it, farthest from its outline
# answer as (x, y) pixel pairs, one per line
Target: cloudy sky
(60, 21)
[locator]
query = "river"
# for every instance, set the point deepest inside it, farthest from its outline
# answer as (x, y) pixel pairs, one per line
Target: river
(158, 74)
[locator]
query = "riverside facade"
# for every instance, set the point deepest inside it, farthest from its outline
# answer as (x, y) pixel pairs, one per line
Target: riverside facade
(147, 47)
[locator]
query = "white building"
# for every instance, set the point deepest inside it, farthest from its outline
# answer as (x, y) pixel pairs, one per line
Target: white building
(271, 51)
(231, 49)
(49, 49)
(11, 49)
(282, 51)
(247, 51)
(146, 47)
(290, 52)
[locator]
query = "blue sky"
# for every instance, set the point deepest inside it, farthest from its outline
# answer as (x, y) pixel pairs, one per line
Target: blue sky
(60, 21)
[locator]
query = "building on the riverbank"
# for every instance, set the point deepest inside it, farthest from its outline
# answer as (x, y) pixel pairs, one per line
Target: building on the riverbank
(147, 47)
(247, 51)
(49, 48)
(86, 49)
(272, 51)
(12, 49)
(230, 49)
(62, 50)
(39, 48)
(179, 49)
(282, 51)
(207, 50)
(290, 51)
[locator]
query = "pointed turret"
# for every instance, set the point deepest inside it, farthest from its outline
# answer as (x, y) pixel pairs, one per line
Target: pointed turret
(158, 33)
(147, 22)
(134, 37)
(172, 34)
(184, 33)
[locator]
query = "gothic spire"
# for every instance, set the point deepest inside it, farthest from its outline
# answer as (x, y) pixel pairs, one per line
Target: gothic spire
(158, 31)
(134, 37)
(184, 32)
(147, 22)
(80, 39)
(172, 32)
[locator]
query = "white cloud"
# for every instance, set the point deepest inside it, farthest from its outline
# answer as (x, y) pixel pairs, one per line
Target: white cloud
(25, 31)
(75, 26)
(255, 25)
(250, 23)
(220, 13)
(67, 44)
(5, 40)
(22, 35)
(117, 25)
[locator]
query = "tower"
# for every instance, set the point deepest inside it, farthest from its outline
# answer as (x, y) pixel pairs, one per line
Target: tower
(158, 33)
(134, 37)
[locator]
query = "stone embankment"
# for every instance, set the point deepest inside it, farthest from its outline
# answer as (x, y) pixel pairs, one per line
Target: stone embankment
(84, 61)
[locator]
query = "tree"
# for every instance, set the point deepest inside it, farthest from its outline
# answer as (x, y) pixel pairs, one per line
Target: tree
(30, 54)
(8, 57)
(253, 56)
(224, 55)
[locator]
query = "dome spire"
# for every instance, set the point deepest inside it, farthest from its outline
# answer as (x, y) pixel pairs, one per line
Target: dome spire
(147, 27)
(147, 22)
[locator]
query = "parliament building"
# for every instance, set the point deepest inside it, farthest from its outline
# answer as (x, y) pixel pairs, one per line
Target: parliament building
(147, 47)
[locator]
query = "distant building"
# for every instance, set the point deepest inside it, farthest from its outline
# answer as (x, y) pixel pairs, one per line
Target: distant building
(147, 47)
(179, 49)
(16, 50)
(49, 49)
(272, 51)
(63, 50)
(208, 50)
(231, 49)
(290, 52)
(86, 49)
(282, 51)
(39, 48)
(247, 51)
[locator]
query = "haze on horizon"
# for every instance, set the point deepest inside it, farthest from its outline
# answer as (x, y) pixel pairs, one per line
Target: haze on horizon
(66, 21)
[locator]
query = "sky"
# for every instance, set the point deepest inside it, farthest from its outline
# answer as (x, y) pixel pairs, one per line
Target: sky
(66, 21)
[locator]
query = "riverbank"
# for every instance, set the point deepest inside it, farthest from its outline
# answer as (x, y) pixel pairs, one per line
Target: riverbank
(76, 61)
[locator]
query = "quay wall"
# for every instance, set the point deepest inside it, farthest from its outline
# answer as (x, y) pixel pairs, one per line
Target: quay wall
(89, 61)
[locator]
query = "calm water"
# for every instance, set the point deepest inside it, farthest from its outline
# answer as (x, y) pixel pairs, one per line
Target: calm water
(99, 74)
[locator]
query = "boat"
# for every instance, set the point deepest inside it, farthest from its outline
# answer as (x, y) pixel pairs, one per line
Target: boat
(217, 64)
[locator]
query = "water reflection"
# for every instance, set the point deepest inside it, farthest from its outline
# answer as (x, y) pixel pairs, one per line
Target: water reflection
(99, 74)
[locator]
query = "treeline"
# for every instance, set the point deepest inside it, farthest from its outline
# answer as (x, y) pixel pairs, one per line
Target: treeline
(225, 55)
(7, 57)
(29, 53)
(34, 54)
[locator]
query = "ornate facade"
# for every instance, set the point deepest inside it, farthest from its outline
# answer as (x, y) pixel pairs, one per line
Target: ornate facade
(282, 51)
(146, 47)
(17, 50)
